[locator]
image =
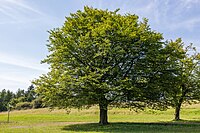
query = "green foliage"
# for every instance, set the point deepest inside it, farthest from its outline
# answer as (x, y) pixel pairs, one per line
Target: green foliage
(21, 96)
(26, 98)
(24, 105)
(38, 103)
(19, 93)
(5, 98)
(101, 57)
(181, 81)
(105, 58)
(30, 94)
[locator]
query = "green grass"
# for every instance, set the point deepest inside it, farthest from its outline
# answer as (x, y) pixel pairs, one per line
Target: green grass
(86, 121)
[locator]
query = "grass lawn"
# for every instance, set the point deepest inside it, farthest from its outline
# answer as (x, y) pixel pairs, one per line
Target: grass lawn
(85, 121)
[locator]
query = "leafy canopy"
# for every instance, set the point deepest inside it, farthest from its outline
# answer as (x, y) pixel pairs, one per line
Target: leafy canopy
(102, 57)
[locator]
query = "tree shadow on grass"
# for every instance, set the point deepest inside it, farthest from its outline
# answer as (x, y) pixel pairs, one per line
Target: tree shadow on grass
(130, 127)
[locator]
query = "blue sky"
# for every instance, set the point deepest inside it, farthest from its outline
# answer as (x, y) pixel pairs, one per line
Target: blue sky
(24, 25)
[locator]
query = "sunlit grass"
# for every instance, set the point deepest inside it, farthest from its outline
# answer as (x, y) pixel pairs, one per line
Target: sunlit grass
(122, 120)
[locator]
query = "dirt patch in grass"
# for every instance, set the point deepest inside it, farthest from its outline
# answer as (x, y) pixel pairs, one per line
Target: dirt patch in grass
(20, 127)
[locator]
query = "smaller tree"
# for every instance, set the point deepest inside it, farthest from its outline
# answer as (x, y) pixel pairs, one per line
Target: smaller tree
(181, 81)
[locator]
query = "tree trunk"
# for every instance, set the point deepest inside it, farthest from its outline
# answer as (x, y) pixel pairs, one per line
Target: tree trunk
(177, 112)
(180, 101)
(103, 114)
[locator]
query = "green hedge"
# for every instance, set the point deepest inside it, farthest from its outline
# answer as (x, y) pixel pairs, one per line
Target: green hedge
(24, 105)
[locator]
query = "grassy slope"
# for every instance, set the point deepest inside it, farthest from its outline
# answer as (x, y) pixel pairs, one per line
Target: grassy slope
(122, 120)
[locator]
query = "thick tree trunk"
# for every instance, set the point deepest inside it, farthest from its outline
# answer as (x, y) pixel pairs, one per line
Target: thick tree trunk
(177, 112)
(103, 114)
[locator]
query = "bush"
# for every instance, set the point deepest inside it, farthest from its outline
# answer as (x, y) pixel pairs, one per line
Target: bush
(37, 103)
(24, 105)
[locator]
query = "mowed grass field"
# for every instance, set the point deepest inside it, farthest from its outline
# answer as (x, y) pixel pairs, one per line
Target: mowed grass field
(86, 121)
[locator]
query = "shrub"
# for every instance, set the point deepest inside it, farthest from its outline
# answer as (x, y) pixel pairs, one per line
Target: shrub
(24, 105)
(37, 103)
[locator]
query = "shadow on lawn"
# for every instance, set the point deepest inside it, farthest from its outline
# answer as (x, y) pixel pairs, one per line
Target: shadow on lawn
(129, 127)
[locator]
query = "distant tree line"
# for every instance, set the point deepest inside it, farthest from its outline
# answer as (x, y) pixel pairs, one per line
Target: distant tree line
(20, 100)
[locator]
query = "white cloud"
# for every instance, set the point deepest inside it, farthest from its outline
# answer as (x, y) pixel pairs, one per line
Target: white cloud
(13, 79)
(24, 7)
(22, 62)
(18, 11)
(18, 72)
(12, 84)
(188, 24)
(188, 3)
(168, 15)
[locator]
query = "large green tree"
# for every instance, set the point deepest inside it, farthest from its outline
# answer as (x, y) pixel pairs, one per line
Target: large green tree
(181, 78)
(104, 58)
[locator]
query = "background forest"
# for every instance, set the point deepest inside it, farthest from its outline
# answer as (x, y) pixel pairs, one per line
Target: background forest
(22, 99)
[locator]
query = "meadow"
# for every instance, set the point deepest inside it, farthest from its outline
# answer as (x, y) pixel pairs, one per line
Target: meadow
(86, 121)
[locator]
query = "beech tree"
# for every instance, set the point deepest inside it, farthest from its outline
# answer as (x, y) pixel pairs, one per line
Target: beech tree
(100, 57)
(181, 78)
